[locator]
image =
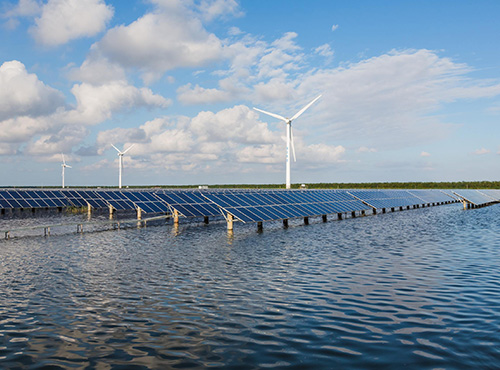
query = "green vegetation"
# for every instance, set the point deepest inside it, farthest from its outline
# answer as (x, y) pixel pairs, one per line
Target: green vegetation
(362, 185)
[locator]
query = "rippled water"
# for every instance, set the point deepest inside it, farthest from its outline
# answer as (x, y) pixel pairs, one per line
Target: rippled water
(418, 288)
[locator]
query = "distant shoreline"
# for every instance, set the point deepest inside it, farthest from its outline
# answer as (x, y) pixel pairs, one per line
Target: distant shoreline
(350, 185)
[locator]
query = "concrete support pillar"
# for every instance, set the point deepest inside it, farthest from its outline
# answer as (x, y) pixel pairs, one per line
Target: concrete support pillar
(339, 216)
(205, 220)
(285, 223)
(306, 220)
(230, 220)
(363, 213)
(374, 211)
(176, 217)
(392, 209)
(407, 207)
(353, 214)
(111, 212)
(324, 218)
(383, 210)
(400, 208)
(259, 226)
(89, 211)
(139, 213)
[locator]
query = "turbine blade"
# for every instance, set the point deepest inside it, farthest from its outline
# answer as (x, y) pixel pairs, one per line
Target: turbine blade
(118, 150)
(304, 109)
(271, 114)
(64, 162)
(130, 147)
(69, 166)
(293, 146)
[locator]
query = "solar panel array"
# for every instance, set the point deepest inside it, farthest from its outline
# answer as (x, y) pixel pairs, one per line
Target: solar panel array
(492, 193)
(474, 196)
(431, 196)
(386, 198)
(190, 203)
(276, 205)
(32, 199)
(244, 204)
(146, 201)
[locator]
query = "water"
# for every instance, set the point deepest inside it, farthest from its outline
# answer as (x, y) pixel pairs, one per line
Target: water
(415, 289)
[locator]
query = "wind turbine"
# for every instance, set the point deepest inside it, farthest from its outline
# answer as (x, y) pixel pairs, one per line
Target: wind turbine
(63, 165)
(289, 135)
(120, 162)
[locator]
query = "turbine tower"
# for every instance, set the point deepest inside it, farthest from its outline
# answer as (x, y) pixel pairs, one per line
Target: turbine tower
(289, 135)
(120, 163)
(63, 165)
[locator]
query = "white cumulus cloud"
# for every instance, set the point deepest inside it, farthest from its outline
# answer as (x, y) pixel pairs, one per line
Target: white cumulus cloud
(65, 20)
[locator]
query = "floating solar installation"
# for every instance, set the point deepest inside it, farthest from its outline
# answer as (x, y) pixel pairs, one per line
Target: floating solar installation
(474, 196)
(492, 193)
(146, 201)
(386, 198)
(188, 203)
(275, 205)
(117, 200)
(432, 196)
(32, 199)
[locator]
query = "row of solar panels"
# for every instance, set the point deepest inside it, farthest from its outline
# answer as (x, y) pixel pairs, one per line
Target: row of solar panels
(244, 205)
(479, 197)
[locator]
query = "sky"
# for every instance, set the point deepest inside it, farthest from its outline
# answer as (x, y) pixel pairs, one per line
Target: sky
(410, 91)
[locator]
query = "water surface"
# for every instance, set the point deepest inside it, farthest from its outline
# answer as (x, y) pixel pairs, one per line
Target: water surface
(418, 288)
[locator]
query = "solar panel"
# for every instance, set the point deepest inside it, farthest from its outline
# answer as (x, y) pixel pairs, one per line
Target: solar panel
(75, 198)
(92, 198)
(116, 199)
(386, 198)
(188, 203)
(273, 205)
(474, 196)
(431, 196)
(146, 201)
(492, 193)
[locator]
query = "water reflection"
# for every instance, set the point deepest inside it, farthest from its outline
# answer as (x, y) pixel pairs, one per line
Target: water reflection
(418, 288)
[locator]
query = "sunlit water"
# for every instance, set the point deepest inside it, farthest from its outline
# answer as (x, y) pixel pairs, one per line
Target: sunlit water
(415, 289)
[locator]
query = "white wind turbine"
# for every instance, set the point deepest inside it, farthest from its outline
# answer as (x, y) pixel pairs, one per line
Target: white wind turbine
(63, 165)
(289, 135)
(120, 162)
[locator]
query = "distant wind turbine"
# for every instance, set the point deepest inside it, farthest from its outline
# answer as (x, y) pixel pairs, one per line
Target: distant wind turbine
(120, 162)
(63, 165)
(289, 135)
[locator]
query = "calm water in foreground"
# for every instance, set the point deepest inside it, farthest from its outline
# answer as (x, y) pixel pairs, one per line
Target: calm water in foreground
(416, 289)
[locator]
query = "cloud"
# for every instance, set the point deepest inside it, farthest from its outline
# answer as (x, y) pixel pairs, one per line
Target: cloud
(97, 103)
(481, 151)
(364, 149)
(425, 154)
(65, 20)
(212, 9)
(23, 94)
(24, 8)
(170, 37)
(335, 27)
(324, 50)
(200, 95)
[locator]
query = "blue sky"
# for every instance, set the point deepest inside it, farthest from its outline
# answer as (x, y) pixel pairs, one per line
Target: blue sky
(411, 90)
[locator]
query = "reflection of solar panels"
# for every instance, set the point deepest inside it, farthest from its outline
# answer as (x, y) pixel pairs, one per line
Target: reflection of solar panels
(275, 205)
(386, 198)
(146, 201)
(474, 196)
(31, 199)
(189, 203)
